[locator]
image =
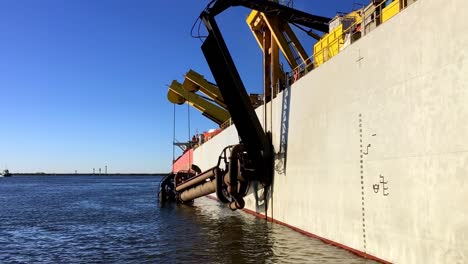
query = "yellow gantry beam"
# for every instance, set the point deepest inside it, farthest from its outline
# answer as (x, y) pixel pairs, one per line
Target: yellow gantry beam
(272, 35)
(178, 95)
(281, 33)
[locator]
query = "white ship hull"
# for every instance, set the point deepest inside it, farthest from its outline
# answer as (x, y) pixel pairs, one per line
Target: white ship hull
(377, 149)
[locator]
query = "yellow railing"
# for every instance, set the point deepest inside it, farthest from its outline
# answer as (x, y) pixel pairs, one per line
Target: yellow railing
(390, 10)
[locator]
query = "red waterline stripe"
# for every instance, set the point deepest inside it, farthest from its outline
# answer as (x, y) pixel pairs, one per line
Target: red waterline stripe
(326, 241)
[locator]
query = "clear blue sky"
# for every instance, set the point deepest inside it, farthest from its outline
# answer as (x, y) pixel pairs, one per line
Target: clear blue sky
(83, 83)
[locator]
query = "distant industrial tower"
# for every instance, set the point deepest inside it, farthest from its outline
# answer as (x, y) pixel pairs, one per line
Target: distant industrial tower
(105, 169)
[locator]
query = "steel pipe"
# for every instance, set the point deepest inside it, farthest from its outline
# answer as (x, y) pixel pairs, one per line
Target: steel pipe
(198, 191)
(199, 179)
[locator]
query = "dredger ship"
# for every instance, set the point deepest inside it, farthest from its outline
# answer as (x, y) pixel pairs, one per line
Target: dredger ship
(362, 144)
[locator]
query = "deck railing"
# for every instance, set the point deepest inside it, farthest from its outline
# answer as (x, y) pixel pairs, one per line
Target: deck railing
(368, 22)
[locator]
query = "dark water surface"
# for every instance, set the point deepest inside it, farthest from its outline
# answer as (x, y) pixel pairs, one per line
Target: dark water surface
(117, 220)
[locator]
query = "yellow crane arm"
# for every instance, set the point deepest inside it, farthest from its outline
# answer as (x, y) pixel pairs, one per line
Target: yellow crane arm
(178, 95)
(195, 82)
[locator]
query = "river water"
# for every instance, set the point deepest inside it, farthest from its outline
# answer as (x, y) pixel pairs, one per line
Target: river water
(87, 219)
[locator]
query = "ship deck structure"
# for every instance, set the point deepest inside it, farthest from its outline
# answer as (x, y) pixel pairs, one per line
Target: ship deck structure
(369, 136)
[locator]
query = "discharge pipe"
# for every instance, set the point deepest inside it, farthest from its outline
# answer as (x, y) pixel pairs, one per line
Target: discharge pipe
(198, 179)
(230, 186)
(198, 191)
(199, 186)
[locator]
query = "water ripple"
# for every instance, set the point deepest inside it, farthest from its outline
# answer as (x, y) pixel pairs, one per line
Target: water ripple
(116, 220)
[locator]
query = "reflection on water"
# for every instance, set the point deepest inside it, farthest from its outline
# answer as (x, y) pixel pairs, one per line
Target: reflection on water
(116, 219)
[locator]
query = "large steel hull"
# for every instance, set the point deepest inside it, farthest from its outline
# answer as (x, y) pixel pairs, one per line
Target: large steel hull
(371, 146)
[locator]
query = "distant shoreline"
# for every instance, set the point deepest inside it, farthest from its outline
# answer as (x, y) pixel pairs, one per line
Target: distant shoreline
(88, 174)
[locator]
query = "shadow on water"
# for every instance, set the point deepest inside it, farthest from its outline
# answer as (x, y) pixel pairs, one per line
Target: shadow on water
(211, 232)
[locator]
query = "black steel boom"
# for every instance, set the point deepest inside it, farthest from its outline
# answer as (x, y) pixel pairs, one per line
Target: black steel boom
(256, 142)
(243, 115)
(288, 14)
